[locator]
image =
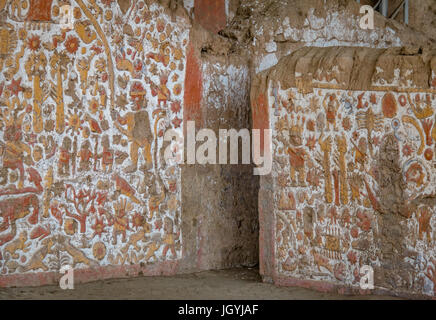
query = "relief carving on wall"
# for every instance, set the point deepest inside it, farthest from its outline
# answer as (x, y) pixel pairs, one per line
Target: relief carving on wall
(356, 172)
(82, 117)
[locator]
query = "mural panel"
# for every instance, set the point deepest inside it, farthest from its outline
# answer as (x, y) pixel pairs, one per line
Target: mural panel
(82, 117)
(354, 175)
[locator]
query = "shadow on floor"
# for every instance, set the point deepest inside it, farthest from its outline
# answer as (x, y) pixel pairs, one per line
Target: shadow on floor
(235, 284)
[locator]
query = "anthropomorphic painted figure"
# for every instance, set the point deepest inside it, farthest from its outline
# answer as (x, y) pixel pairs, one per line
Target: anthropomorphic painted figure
(297, 154)
(107, 156)
(139, 134)
(121, 220)
(162, 91)
(360, 153)
(85, 156)
(14, 149)
(65, 157)
(297, 157)
(331, 105)
(169, 238)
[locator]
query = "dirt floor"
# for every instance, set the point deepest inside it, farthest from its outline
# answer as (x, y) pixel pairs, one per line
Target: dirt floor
(238, 284)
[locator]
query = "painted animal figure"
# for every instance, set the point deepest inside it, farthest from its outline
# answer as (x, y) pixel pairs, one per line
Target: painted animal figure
(12, 210)
(321, 261)
(133, 241)
(34, 178)
(18, 244)
(77, 255)
(125, 189)
(36, 261)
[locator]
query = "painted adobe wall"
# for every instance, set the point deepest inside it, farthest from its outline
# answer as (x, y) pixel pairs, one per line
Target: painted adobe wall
(209, 77)
(80, 108)
(83, 112)
(353, 180)
(257, 35)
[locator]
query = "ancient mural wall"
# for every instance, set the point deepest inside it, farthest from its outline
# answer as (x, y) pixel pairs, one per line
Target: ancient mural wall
(353, 179)
(76, 101)
(257, 35)
(82, 116)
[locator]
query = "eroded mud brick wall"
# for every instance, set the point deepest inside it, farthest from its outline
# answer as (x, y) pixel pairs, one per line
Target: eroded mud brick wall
(220, 214)
(83, 113)
(220, 201)
(353, 180)
(271, 29)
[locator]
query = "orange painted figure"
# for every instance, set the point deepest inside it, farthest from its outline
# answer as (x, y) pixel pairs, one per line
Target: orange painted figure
(64, 157)
(424, 218)
(13, 209)
(85, 156)
(162, 91)
(120, 220)
(331, 107)
(124, 188)
(13, 151)
(169, 238)
(107, 156)
(139, 133)
(297, 157)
